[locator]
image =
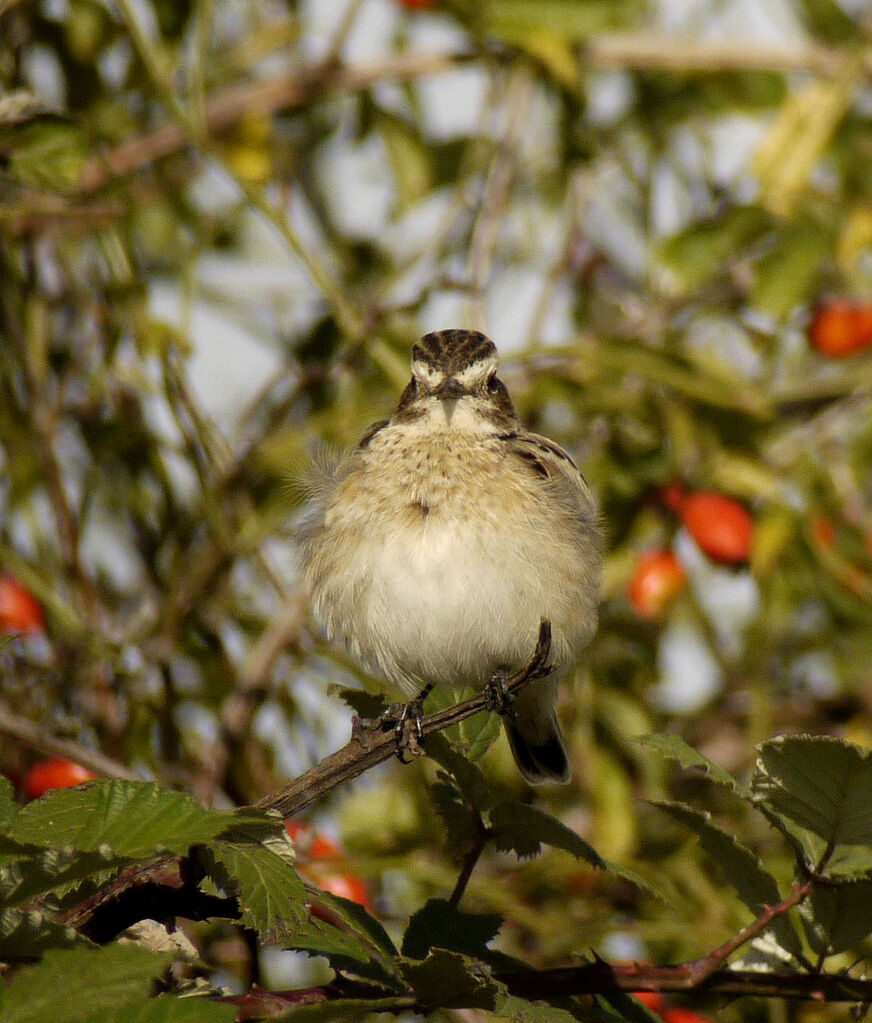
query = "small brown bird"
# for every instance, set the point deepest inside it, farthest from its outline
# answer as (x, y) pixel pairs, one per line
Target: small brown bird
(439, 544)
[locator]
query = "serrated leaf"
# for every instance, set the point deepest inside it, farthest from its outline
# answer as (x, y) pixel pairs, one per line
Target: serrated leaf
(99, 979)
(273, 899)
(818, 783)
(439, 925)
(520, 828)
(25, 935)
(8, 807)
(740, 867)
(467, 777)
(132, 819)
(462, 824)
(523, 1011)
(675, 748)
(55, 871)
(171, 1009)
(452, 980)
(353, 915)
(838, 918)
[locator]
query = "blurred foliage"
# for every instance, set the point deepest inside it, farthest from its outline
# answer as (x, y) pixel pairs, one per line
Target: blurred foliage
(222, 225)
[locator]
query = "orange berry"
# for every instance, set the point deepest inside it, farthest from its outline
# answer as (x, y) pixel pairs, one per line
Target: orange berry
(721, 526)
(659, 577)
(19, 611)
(55, 774)
(841, 327)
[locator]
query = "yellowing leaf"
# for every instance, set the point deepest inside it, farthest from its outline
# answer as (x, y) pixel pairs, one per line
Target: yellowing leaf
(802, 129)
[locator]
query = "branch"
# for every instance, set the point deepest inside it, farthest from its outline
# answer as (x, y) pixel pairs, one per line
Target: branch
(374, 744)
(32, 735)
(601, 978)
(111, 910)
(266, 96)
(677, 53)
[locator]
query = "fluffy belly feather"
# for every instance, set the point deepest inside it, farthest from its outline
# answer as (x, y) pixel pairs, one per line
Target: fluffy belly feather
(450, 604)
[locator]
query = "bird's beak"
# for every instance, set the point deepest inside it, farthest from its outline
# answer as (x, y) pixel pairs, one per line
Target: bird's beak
(449, 390)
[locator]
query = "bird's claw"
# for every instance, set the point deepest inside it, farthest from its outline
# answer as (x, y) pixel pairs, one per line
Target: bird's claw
(498, 698)
(406, 719)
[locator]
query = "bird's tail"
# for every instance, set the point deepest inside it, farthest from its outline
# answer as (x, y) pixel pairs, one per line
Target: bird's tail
(534, 735)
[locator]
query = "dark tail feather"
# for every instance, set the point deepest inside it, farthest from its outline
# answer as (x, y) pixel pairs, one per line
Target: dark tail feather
(540, 760)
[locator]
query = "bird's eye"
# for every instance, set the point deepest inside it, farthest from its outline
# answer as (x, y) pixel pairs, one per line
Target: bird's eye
(493, 385)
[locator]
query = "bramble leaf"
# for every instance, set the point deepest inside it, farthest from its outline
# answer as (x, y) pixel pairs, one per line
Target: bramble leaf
(100, 979)
(673, 747)
(439, 925)
(817, 790)
(740, 867)
(133, 819)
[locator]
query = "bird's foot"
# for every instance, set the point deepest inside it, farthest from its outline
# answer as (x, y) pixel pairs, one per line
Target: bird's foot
(406, 719)
(496, 694)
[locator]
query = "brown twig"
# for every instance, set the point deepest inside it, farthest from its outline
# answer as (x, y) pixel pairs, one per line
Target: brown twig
(370, 746)
(601, 977)
(25, 731)
(650, 52)
(266, 96)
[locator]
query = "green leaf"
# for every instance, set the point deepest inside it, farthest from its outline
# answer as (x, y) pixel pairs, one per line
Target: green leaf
(275, 902)
(57, 871)
(673, 747)
(408, 156)
(47, 152)
(170, 1009)
(462, 824)
(355, 917)
(740, 867)
(26, 935)
(439, 925)
(478, 733)
(273, 899)
(704, 250)
(520, 828)
(818, 783)
(838, 918)
(81, 983)
(788, 276)
(8, 806)
(523, 1011)
(571, 20)
(452, 980)
(130, 819)
(468, 778)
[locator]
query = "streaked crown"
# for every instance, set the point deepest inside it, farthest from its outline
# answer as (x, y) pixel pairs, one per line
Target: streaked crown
(467, 356)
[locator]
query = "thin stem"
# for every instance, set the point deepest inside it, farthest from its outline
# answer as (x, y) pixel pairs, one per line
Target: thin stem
(496, 194)
(700, 969)
(30, 734)
(473, 855)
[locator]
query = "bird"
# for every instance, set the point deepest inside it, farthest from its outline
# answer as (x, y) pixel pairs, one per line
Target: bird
(436, 547)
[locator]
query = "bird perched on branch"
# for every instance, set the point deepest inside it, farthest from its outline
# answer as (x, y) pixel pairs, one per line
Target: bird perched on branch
(438, 545)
